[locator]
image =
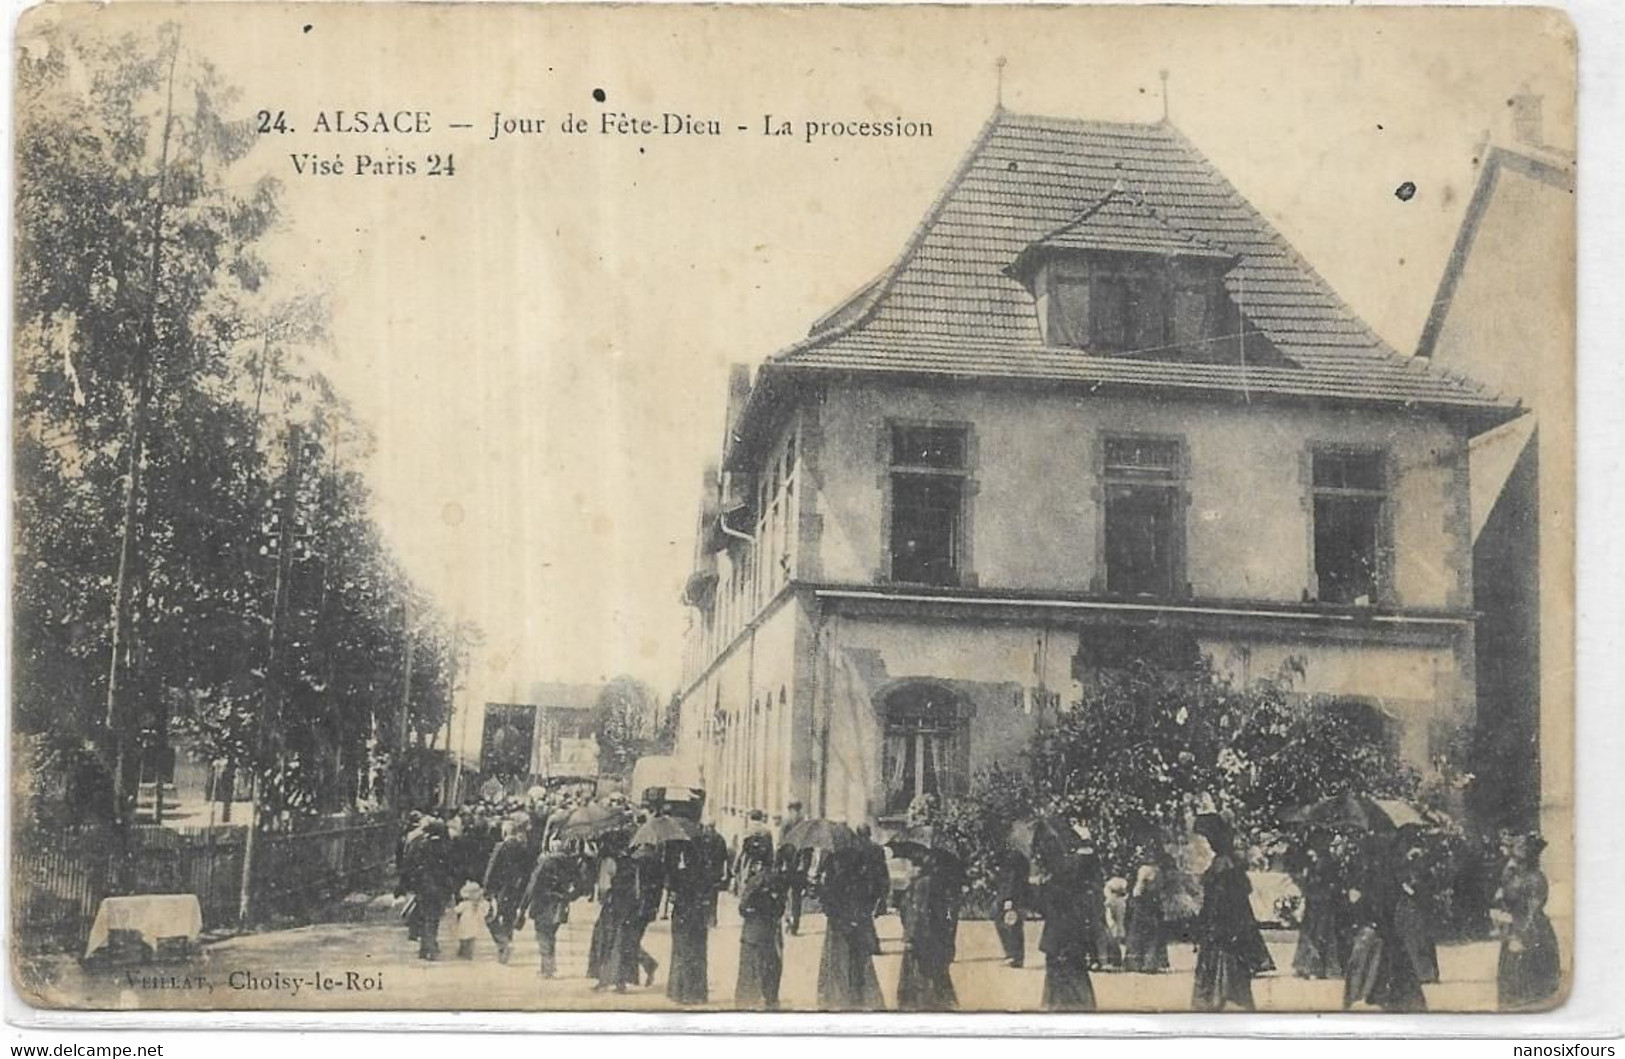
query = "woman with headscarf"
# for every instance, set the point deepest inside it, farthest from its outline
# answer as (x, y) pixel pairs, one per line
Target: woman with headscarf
(1145, 946)
(1227, 939)
(924, 981)
(1529, 974)
(1068, 938)
(761, 942)
(846, 971)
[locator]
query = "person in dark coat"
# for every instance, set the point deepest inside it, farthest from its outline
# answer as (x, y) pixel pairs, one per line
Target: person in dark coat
(506, 874)
(1067, 940)
(691, 880)
(411, 832)
(1145, 945)
(924, 981)
(793, 867)
(1414, 915)
(761, 942)
(1010, 905)
(712, 849)
(1379, 970)
(1319, 953)
(1529, 973)
(1227, 936)
(631, 903)
(876, 875)
(846, 970)
(547, 903)
(434, 881)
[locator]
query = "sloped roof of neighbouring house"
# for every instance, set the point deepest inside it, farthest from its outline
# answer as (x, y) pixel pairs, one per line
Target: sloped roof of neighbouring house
(950, 305)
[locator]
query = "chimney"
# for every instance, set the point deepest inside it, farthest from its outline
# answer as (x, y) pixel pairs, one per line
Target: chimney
(1526, 123)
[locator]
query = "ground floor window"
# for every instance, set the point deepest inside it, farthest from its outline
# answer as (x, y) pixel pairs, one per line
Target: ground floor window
(925, 749)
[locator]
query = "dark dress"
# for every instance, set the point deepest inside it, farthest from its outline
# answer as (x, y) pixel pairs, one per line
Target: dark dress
(1227, 939)
(877, 877)
(1145, 943)
(1067, 942)
(1009, 907)
(693, 897)
(505, 877)
(600, 950)
(925, 983)
(1319, 953)
(1413, 919)
(1379, 969)
(846, 971)
(547, 902)
(1529, 973)
(761, 942)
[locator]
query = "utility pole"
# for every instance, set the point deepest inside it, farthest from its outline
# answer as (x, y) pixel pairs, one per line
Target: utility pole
(398, 773)
(136, 443)
(271, 701)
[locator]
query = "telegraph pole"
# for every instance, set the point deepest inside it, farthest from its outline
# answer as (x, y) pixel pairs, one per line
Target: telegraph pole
(398, 780)
(271, 701)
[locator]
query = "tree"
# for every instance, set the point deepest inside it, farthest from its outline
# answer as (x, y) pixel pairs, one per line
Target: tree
(619, 722)
(195, 552)
(1151, 743)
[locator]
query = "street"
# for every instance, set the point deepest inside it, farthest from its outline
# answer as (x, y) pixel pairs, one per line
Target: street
(371, 965)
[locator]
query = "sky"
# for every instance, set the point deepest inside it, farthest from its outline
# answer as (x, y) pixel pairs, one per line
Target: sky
(540, 342)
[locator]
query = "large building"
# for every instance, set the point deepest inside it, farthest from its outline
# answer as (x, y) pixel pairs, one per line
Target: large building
(1097, 400)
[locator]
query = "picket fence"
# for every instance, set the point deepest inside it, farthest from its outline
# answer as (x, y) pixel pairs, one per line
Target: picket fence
(299, 870)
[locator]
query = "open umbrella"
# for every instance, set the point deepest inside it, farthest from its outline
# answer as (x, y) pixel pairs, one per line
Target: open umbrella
(826, 835)
(594, 820)
(1040, 835)
(926, 838)
(1359, 812)
(658, 830)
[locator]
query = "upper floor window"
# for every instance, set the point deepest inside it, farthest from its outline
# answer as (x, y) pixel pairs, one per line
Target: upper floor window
(1143, 521)
(928, 468)
(1350, 491)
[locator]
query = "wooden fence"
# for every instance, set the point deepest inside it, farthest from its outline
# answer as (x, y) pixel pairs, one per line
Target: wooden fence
(61, 879)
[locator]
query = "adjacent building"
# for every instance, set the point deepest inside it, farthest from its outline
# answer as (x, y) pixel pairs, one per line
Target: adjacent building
(1098, 403)
(1505, 312)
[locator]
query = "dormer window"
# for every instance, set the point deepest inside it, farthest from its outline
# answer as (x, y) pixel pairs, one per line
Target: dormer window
(1126, 304)
(1120, 280)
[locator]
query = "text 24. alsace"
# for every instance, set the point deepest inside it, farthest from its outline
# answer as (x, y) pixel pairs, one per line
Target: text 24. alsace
(386, 162)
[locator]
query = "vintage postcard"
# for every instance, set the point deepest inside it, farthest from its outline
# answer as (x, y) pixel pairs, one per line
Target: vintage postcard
(645, 508)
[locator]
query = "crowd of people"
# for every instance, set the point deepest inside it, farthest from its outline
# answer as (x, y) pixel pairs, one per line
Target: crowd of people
(1370, 912)
(500, 865)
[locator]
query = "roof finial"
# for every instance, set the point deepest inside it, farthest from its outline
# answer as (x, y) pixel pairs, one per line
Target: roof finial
(998, 98)
(1164, 75)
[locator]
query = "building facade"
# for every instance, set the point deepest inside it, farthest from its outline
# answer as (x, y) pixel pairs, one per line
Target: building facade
(1097, 401)
(1505, 311)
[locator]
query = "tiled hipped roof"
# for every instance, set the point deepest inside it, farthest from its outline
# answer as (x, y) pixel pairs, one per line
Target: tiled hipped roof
(949, 307)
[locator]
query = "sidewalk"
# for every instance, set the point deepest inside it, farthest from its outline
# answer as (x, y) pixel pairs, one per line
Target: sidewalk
(371, 965)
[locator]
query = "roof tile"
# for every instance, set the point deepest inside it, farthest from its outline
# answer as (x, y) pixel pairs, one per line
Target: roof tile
(949, 307)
